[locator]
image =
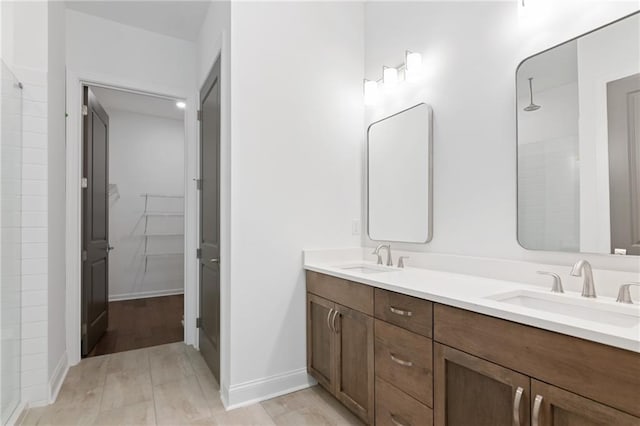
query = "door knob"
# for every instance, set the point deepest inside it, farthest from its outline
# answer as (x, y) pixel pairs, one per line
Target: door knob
(109, 248)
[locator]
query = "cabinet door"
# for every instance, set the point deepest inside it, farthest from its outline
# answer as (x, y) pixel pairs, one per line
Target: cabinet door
(471, 391)
(354, 357)
(321, 341)
(556, 407)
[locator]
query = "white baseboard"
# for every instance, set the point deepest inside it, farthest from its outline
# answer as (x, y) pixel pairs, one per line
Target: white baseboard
(258, 390)
(18, 415)
(145, 294)
(57, 377)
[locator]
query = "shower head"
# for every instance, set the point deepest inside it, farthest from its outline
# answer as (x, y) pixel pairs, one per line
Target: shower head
(531, 106)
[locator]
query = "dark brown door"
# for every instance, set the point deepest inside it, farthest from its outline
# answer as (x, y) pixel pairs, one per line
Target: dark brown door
(623, 115)
(354, 357)
(209, 263)
(556, 407)
(95, 226)
(321, 341)
(472, 391)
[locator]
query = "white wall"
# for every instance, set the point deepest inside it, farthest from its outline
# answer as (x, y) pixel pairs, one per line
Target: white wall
(57, 357)
(470, 84)
(146, 155)
(296, 155)
(103, 51)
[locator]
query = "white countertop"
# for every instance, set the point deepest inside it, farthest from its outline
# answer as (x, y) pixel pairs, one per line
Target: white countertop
(474, 293)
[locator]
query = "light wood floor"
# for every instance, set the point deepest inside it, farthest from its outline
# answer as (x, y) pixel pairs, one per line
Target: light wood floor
(141, 323)
(171, 385)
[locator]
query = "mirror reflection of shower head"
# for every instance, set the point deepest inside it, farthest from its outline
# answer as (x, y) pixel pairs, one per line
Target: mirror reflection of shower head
(531, 106)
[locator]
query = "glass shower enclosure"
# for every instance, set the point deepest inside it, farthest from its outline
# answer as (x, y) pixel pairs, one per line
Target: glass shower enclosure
(10, 241)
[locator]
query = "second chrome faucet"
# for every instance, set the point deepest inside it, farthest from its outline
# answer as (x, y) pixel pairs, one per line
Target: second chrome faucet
(377, 253)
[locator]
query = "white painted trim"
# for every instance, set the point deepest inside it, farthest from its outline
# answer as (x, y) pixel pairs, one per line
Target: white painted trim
(73, 245)
(254, 391)
(18, 415)
(57, 378)
(145, 294)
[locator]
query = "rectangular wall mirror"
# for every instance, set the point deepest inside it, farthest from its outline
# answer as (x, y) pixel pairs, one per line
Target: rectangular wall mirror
(399, 176)
(579, 143)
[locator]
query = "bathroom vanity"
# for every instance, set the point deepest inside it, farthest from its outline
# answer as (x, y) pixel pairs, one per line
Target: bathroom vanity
(397, 359)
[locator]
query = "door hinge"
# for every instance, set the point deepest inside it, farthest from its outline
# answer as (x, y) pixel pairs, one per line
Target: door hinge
(85, 110)
(199, 115)
(198, 322)
(84, 255)
(198, 184)
(198, 253)
(84, 183)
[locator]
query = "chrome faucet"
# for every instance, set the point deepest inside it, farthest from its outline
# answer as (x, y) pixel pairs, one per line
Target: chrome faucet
(377, 253)
(557, 282)
(588, 287)
(624, 295)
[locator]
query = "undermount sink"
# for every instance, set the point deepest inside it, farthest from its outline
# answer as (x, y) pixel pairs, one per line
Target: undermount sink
(599, 311)
(366, 268)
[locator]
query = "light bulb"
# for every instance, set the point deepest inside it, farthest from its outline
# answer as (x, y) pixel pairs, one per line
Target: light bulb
(413, 65)
(389, 76)
(370, 92)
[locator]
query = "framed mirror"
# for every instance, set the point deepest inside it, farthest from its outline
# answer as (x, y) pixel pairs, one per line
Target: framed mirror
(578, 119)
(399, 164)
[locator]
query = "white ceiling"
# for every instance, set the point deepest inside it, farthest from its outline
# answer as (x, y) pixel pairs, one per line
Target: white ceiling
(112, 99)
(180, 19)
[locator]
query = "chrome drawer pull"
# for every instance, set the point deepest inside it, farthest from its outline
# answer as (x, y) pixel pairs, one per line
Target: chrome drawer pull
(329, 319)
(396, 422)
(400, 312)
(333, 321)
(535, 417)
(401, 361)
(517, 401)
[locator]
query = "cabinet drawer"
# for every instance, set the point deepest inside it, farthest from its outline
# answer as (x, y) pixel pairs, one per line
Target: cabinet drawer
(405, 360)
(396, 408)
(405, 311)
(347, 293)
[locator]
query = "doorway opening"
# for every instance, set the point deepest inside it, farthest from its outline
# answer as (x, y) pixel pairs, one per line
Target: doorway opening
(133, 224)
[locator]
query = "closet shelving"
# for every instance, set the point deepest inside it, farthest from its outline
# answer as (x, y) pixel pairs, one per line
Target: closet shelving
(155, 199)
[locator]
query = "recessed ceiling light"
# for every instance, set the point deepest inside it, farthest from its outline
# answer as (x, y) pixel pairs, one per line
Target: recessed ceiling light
(181, 105)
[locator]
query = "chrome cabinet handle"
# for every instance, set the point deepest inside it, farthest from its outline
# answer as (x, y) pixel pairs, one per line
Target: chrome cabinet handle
(517, 402)
(400, 361)
(397, 422)
(333, 321)
(535, 417)
(329, 319)
(400, 312)
(214, 260)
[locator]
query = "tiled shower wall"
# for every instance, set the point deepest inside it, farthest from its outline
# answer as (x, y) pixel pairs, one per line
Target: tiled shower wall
(35, 387)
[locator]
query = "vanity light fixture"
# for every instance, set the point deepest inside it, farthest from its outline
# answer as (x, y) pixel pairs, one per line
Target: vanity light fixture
(370, 92)
(181, 105)
(389, 76)
(409, 71)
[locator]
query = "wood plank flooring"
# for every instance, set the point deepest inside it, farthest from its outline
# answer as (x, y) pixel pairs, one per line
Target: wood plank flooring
(141, 323)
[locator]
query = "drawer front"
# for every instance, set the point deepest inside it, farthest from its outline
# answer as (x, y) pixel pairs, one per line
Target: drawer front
(347, 293)
(396, 408)
(599, 372)
(405, 360)
(405, 311)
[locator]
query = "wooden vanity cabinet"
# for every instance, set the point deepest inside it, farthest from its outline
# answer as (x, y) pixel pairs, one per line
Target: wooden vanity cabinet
(340, 341)
(472, 391)
(553, 406)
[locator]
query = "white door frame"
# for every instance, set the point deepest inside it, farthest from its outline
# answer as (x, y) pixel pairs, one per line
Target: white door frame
(73, 243)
